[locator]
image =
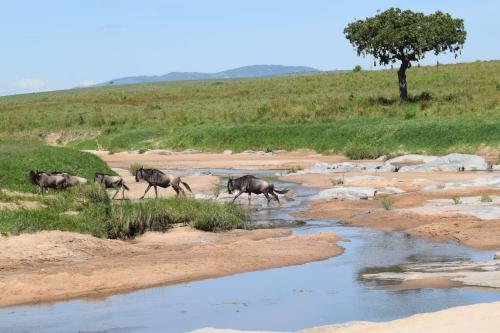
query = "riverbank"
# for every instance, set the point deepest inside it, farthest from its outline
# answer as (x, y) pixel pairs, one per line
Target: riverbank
(50, 266)
(482, 318)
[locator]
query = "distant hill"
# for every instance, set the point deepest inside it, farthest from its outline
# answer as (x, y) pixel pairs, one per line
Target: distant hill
(241, 72)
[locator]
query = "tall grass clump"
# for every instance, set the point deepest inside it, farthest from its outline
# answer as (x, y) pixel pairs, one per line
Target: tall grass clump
(131, 219)
(360, 151)
(132, 169)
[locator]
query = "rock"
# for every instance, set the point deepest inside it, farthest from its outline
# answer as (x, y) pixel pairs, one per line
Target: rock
(191, 151)
(389, 190)
(248, 152)
(279, 151)
(495, 167)
(347, 193)
(228, 152)
(411, 159)
(451, 162)
(497, 256)
(158, 152)
(134, 152)
(487, 181)
(344, 167)
(203, 196)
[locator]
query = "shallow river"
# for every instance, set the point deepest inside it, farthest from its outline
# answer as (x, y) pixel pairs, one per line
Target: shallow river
(282, 299)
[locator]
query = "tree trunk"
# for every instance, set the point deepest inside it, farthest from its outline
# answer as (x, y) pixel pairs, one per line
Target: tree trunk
(403, 89)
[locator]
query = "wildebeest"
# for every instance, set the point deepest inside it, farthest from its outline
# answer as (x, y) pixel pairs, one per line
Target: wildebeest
(46, 181)
(156, 178)
(250, 184)
(71, 179)
(109, 181)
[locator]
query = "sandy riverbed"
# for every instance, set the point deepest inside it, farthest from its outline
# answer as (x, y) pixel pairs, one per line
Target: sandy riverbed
(49, 266)
(413, 211)
(482, 318)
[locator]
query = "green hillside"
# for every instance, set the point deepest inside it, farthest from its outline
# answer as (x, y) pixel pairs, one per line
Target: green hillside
(453, 107)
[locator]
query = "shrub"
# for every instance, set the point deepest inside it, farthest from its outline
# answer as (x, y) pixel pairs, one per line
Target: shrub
(359, 151)
(486, 198)
(357, 68)
(132, 169)
(387, 204)
(456, 200)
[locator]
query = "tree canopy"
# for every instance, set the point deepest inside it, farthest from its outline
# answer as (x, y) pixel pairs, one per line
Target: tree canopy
(406, 36)
(398, 35)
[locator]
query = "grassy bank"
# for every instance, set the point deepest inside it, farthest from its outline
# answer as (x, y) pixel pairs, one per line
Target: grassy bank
(88, 209)
(353, 136)
(449, 107)
(18, 157)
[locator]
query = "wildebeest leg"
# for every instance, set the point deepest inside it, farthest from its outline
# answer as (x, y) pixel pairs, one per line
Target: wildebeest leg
(117, 190)
(236, 196)
(156, 191)
(149, 186)
(123, 193)
(249, 198)
(267, 197)
(276, 197)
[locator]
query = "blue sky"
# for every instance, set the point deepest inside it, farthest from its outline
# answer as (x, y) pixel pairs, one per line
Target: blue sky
(52, 44)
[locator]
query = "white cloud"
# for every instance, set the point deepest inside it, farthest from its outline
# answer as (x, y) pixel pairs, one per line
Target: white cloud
(30, 83)
(88, 83)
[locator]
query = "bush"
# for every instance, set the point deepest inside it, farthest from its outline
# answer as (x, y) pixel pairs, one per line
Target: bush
(359, 151)
(357, 68)
(132, 169)
(486, 198)
(387, 204)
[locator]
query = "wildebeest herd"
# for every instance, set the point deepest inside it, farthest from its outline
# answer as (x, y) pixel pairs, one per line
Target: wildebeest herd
(155, 178)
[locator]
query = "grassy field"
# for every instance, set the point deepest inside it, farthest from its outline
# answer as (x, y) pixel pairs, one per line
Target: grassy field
(88, 209)
(452, 108)
(18, 157)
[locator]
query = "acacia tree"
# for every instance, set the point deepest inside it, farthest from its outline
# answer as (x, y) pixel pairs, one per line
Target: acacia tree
(405, 36)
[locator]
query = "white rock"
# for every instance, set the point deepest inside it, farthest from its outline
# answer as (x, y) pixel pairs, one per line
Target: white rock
(228, 152)
(347, 193)
(497, 256)
(495, 167)
(485, 181)
(248, 152)
(191, 151)
(203, 196)
(389, 190)
(158, 152)
(411, 158)
(451, 162)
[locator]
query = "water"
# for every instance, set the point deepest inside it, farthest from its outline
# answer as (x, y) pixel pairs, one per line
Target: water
(282, 299)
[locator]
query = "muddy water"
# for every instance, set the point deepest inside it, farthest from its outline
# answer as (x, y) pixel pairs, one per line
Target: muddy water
(282, 299)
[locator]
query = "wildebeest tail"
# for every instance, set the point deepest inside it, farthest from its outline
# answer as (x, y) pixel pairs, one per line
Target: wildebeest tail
(186, 186)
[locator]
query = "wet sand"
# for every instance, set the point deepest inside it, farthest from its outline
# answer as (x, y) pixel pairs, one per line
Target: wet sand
(50, 266)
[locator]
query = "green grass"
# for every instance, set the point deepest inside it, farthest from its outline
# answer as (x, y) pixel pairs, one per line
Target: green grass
(452, 107)
(94, 214)
(18, 157)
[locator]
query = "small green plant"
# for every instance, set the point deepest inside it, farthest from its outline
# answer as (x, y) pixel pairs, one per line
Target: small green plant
(338, 181)
(132, 169)
(295, 169)
(360, 151)
(456, 200)
(357, 68)
(142, 150)
(387, 204)
(486, 198)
